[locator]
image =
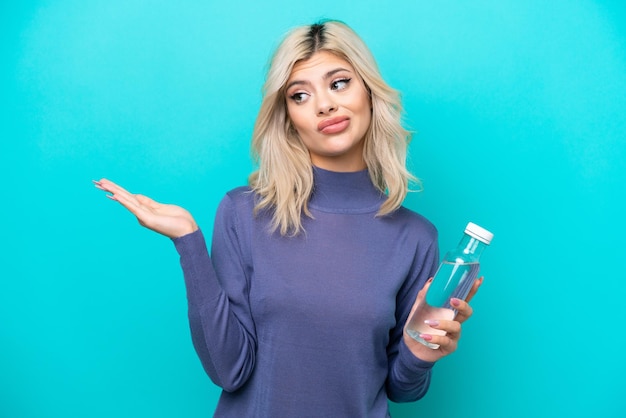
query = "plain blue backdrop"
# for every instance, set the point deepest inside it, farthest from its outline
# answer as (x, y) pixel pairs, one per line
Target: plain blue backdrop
(518, 113)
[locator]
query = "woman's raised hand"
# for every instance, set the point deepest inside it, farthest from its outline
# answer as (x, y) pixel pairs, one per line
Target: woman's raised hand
(169, 220)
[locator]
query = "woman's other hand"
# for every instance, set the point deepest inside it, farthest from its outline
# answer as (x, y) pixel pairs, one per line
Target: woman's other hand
(169, 220)
(447, 343)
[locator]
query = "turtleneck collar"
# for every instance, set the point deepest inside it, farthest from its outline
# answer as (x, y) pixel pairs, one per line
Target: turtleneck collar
(351, 192)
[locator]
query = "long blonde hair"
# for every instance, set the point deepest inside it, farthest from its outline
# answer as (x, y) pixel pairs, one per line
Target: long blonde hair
(283, 181)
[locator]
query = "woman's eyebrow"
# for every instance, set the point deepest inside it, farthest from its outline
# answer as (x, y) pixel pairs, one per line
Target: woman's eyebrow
(325, 77)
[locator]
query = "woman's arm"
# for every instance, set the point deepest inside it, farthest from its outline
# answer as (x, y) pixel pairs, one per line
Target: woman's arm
(410, 362)
(221, 326)
(409, 376)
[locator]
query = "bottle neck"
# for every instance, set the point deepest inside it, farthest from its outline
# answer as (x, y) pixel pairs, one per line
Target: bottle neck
(470, 245)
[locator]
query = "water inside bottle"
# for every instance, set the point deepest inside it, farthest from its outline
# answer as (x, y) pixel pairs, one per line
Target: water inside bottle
(452, 280)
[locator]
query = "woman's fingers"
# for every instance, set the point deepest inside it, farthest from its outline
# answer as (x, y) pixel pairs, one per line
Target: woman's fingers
(118, 193)
(122, 195)
(449, 341)
(98, 184)
(464, 310)
(146, 201)
(130, 201)
(450, 327)
(477, 283)
(170, 220)
(109, 186)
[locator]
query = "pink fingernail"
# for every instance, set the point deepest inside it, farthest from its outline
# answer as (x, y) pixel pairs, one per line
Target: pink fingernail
(455, 302)
(431, 322)
(426, 337)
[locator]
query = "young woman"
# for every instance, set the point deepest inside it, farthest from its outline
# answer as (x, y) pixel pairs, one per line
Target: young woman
(315, 266)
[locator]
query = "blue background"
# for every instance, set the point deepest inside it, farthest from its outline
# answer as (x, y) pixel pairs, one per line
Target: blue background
(518, 113)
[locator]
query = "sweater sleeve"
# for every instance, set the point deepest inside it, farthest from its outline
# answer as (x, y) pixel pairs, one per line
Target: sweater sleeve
(409, 377)
(222, 330)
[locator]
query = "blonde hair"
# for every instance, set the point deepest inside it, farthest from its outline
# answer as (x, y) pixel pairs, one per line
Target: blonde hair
(283, 181)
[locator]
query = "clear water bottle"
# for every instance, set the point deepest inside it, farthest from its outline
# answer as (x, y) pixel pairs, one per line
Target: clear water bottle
(453, 279)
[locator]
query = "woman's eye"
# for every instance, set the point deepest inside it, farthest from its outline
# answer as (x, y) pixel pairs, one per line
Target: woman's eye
(298, 97)
(340, 84)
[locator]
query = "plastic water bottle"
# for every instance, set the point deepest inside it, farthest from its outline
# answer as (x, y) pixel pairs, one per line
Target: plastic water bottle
(453, 279)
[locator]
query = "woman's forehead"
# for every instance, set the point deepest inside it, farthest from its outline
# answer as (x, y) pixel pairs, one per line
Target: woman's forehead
(320, 62)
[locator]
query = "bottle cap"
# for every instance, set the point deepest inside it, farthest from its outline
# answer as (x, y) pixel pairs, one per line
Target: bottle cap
(479, 233)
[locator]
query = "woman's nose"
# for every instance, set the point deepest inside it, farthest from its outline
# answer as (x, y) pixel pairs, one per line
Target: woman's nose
(326, 105)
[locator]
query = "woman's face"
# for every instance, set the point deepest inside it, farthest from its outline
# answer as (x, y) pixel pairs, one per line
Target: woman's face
(330, 109)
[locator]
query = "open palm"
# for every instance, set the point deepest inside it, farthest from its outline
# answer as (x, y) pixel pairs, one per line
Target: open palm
(169, 220)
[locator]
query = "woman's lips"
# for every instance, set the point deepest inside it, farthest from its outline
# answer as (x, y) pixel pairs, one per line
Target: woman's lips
(333, 125)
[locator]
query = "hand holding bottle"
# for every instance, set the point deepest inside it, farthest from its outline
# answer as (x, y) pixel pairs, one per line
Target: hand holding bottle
(169, 220)
(441, 305)
(451, 328)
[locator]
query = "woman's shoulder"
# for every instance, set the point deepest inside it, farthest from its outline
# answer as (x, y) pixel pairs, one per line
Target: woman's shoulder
(236, 206)
(242, 196)
(241, 192)
(416, 221)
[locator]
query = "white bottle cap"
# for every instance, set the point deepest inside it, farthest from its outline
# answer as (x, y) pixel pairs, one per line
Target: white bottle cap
(479, 233)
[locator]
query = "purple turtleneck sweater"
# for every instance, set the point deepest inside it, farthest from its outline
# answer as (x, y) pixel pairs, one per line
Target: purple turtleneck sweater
(310, 326)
